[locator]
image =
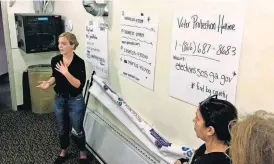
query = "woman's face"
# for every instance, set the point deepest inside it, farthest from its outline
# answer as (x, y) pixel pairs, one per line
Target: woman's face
(64, 46)
(202, 132)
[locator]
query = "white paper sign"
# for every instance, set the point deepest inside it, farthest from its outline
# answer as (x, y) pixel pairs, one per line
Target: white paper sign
(96, 49)
(138, 47)
(205, 55)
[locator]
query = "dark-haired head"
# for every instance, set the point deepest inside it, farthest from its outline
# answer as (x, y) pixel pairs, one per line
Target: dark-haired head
(213, 118)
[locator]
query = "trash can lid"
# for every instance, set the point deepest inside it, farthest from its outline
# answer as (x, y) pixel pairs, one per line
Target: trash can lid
(40, 67)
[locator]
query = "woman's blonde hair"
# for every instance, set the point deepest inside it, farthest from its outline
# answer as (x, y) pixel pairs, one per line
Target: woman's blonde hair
(71, 38)
(252, 139)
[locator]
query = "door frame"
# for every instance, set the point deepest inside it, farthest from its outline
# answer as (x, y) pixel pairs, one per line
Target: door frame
(4, 5)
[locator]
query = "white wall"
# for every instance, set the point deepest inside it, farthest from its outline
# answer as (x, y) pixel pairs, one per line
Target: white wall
(3, 56)
(171, 117)
(20, 59)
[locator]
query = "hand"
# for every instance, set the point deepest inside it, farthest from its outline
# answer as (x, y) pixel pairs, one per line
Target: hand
(43, 84)
(61, 68)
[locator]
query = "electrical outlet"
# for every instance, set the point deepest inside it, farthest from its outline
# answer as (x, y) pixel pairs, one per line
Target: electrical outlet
(101, 1)
(68, 25)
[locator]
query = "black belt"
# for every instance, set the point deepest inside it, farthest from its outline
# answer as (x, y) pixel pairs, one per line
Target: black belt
(66, 95)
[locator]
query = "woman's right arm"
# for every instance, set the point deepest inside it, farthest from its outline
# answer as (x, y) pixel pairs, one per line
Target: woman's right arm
(46, 84)
(51, 81)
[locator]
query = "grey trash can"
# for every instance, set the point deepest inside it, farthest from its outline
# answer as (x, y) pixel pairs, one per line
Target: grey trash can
(41, 100)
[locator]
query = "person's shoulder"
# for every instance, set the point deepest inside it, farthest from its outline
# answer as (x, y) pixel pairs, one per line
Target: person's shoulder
(56, 58)
(79, 59)
(199, 152)
(201, 149)
(221, 158)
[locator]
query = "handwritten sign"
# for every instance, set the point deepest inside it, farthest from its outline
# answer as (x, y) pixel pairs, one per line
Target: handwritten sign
(205, 55)
(138, 47)
(96, 48)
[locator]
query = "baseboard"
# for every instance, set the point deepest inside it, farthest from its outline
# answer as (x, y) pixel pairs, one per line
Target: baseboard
(96, 155)
(20, 107)
(89, 148)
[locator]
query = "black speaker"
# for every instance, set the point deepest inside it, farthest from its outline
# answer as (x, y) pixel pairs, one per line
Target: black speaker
(38, 32)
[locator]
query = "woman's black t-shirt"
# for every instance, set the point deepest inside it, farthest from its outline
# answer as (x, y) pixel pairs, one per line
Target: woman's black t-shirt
(76, 69)
(211, 158)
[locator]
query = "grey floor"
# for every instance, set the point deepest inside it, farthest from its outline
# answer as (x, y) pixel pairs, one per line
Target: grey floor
(28, 138)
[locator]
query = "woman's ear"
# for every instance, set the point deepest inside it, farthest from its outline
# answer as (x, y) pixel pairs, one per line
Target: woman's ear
(211, 131)
(73, 46)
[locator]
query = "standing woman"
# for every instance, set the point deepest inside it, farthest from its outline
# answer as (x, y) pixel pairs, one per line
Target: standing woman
(68, 73)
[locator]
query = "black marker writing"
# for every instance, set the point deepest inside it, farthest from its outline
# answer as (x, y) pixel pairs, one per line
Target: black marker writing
(182, 23)
(138, 40)
(219, 25)
(145, 69)
(150, 29)
(131, 76)
(205, 89)
(136, 58)
(201, 73)
(93, 49)
(131, 43)
(132, 52)
(99, 59)
(128, 32)
(133, 63)
(93, 36)
(102, 69)
(178, 58)
(201, 24)
(204, 48)
(137, 20)
(139, 34)
(136, 65)
(90, 43)
(89, 29)
(226, 50)
(224, 25)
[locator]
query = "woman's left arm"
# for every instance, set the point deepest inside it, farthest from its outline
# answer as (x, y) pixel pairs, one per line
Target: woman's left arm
(74, 81)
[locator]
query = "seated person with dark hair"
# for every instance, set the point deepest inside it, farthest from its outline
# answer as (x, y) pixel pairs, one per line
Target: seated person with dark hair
(212, 120)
